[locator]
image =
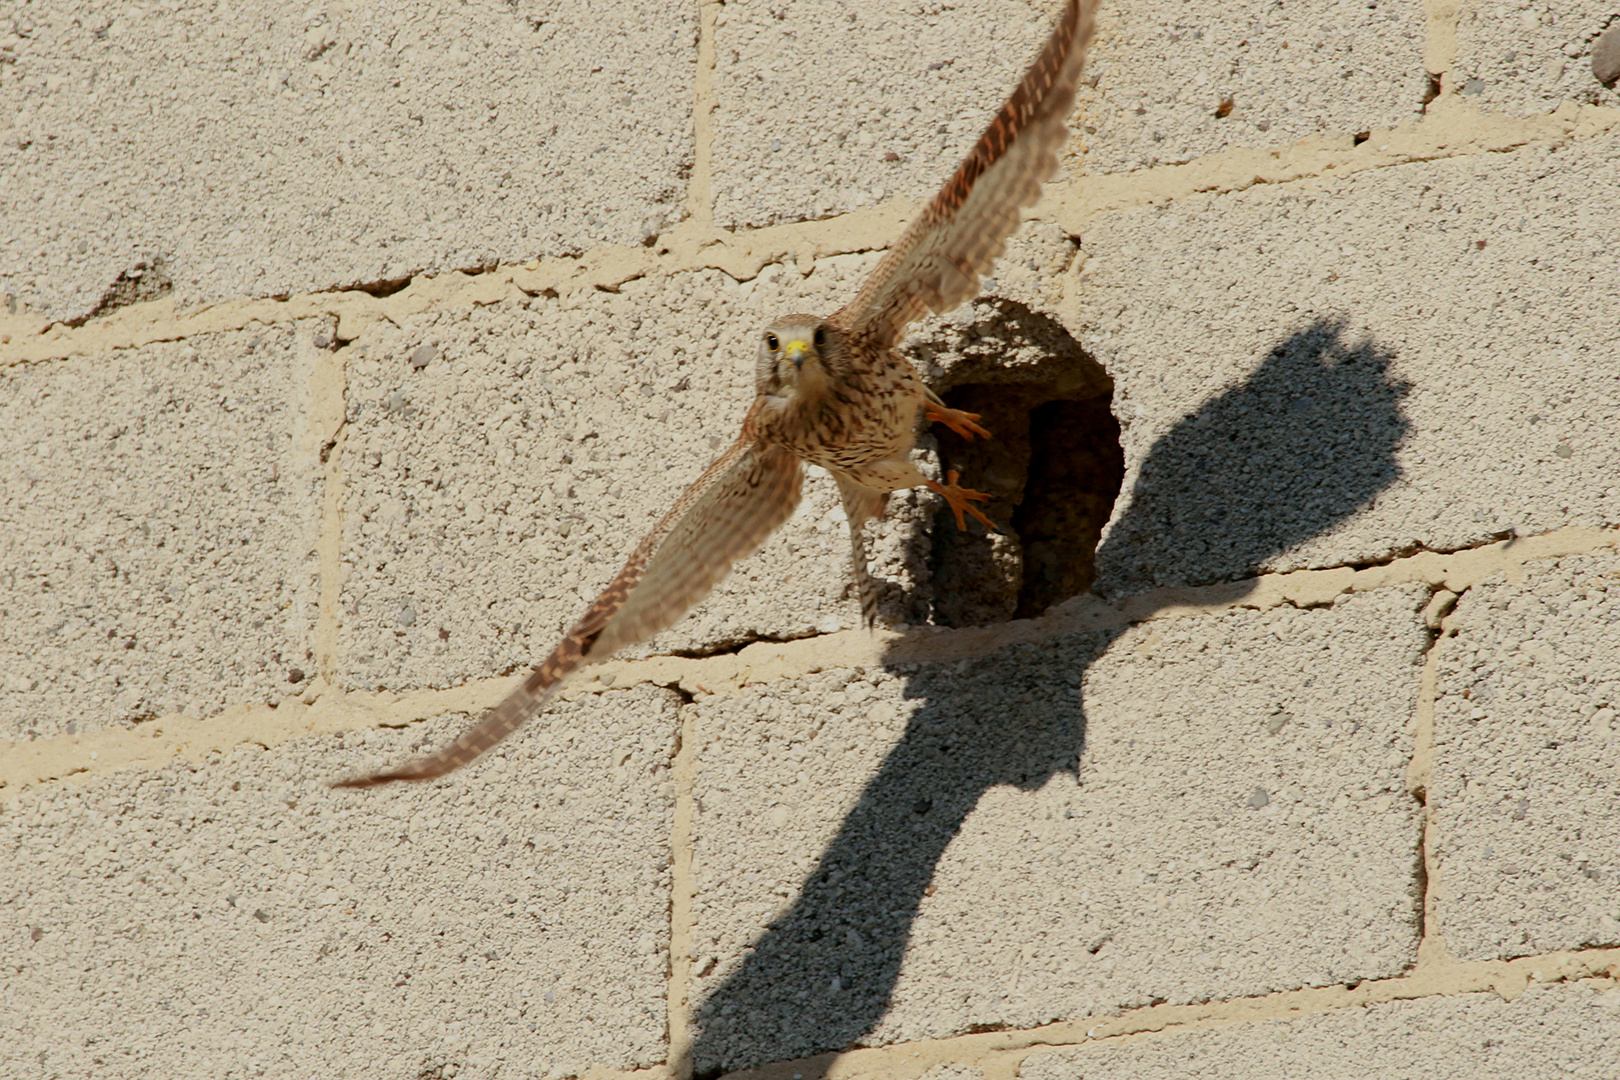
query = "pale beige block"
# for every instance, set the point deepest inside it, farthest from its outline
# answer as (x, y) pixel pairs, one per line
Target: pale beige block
(890, 855)
(1526, 58)
(1527, 763)
(1346, 369)
(495, 489)
(236, 915)
(1169, 83)
(272, 148)
(1549, 1033)
(160, 508)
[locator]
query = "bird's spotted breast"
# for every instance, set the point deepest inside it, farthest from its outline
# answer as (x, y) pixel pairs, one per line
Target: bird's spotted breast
(866, 417)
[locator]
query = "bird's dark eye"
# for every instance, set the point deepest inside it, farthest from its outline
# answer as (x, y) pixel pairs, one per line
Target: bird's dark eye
(820, 336)
(771, 343)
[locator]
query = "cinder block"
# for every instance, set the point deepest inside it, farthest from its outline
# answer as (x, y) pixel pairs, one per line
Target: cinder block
(494, 490)
(1345, 369)
(822, 107)
(1548, 1033)
(1527, 763)
(160, 508)
(888, 855)
(237, 917)
(278, 148)
(1527, 58)
(1169, 82)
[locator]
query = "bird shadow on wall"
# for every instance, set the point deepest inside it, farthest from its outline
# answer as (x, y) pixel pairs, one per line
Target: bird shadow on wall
(1307, 440)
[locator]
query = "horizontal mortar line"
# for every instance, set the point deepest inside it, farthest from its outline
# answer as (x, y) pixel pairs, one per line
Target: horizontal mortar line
(905, 1061)
(327, 709)
(1508, 979)
(767, 661)
(1440, 37)
(687, 247)
(1452, 130)
(1449, 132)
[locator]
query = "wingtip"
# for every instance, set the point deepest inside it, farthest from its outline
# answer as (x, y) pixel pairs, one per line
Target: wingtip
(358, 782)
(379, 778)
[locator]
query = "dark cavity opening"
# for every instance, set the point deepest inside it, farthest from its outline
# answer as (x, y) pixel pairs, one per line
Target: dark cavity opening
(147, 280)
(1053, 469)
(1431, 90)
(387, 287)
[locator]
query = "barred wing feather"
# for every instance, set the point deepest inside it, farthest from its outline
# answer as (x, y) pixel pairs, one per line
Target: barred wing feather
(936, 263)
(739, 501)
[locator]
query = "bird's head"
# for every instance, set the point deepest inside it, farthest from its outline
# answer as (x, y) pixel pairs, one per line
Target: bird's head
(798, 354)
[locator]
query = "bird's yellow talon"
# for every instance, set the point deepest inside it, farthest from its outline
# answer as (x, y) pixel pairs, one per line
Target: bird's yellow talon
(965, 424)
(962, 499)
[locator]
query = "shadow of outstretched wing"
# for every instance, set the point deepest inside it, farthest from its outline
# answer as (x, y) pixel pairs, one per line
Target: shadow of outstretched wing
(1302, 445)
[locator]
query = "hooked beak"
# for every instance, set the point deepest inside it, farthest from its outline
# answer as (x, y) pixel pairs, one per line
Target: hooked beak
(797, 351)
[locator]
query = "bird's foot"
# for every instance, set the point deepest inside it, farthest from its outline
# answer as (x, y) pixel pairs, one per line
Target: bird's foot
(962, 499)
(963, 423)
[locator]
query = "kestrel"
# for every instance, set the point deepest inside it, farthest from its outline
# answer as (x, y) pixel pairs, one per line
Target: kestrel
(832, 392)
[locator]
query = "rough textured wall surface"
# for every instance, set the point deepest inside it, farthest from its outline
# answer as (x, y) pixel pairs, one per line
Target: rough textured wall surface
(346, 349)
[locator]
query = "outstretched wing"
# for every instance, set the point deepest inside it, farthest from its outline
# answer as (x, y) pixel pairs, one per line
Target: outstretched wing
(727, 513)
(936, 263)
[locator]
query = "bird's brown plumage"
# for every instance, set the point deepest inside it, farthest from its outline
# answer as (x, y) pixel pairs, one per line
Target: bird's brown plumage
(848, 401)
(937, 262)
(727, 513)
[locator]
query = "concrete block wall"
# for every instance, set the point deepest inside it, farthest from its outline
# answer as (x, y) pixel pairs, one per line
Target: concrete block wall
(346, 349)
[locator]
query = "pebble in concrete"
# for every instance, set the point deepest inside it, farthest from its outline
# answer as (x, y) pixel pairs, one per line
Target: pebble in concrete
(235, 915)
(1056, 829)
(277, 148)
(1549, 1033)
(1528, 58)
(1527, 763)
(1282, 407)
(177, 516)
(1606, 57)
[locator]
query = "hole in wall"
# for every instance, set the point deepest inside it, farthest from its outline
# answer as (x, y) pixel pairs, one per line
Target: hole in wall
(385, 287)
(147, 279)
(1431, 90)
(1053, 469)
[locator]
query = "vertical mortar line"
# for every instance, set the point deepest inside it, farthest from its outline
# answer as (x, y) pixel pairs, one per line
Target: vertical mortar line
(1419, 777)
(330, 404)
(699, 193)
(1440, 40)
(700, 213)
(682, 890)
